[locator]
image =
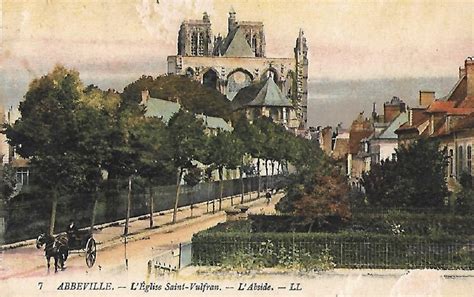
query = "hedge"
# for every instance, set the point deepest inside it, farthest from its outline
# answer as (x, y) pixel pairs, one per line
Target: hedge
(423, 224)
(348, 250)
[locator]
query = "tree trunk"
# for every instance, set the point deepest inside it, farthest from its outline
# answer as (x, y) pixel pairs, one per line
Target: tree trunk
(250, 189)
(259, 178)
(242, 185)
(311, 227)
(152, 207)
(178, 188)
(208, 195)
(221, 176)
(54, 206)
(94, 209)
(267, 179)
(129, 205)
(273, 173)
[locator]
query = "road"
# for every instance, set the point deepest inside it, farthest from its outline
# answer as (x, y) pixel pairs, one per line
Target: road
(143, 244)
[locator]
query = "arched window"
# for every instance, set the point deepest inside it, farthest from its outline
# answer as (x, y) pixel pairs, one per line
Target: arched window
(194, 44)
(254, 44)
(201, 44)
(209, 79)
(237, 80)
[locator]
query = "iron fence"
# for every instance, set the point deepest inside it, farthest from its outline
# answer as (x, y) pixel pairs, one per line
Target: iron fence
(26, 218)
(362, 254)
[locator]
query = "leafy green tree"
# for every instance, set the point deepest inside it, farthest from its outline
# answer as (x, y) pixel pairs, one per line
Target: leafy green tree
(465, 198)
(224, 151)
(415, 179)
(252, 140)
(47, 132)
(188, 142)
(318, 189)
(7, 181)
(150, 140)
(193, 177)
(190, 93)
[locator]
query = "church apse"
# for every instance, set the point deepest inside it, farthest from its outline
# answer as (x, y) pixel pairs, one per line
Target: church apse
(232, 62)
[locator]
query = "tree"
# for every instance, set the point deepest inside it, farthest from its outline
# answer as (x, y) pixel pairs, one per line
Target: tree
(224, 151)
(318, 197)
(47, 132)
(188, 142)
(7, 182)
(414, 179)
(465, 197)
(191, 94)
(252, 140)
(150, 140)
(192, 178)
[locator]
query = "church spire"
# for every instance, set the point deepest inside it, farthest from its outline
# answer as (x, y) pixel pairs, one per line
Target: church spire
(232, 21)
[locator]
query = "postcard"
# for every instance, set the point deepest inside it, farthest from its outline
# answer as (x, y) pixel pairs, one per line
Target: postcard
(236, 148)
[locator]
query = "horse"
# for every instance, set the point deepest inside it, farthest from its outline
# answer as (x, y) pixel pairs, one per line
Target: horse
(54, 247)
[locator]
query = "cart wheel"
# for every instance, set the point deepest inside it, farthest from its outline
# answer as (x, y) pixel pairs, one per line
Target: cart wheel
(91, 252)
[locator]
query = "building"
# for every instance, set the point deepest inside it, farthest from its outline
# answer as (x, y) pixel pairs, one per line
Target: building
(264, 98)
(449, 120)
(164, 110)
(373, 139)
(4, 147)
(235, 61)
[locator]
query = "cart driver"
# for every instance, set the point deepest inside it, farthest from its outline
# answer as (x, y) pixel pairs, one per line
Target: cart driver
(72, 233)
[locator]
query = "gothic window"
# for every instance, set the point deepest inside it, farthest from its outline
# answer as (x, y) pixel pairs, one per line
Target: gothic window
(194, 44)
(247, 37)
(236, 81)
(469, 159)
(201, 44)
(254, 44)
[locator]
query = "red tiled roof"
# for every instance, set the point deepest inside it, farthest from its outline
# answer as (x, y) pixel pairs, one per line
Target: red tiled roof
(440, 106)
(468, 102)
(465, 107)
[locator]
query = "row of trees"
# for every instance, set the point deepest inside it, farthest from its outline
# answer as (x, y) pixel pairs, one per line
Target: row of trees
(78, 137)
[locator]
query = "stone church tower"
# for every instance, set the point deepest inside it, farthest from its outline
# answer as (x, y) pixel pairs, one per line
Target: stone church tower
(301, 56)
(237, 60)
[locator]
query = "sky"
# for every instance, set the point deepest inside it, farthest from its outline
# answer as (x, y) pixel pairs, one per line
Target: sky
(111, 43)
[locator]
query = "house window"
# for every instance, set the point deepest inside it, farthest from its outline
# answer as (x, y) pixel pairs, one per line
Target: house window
(23, 176)
(460, 164)
(469, 159)
(451, 165)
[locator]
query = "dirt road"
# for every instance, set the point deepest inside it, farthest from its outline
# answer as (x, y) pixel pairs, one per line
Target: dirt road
(141, 246)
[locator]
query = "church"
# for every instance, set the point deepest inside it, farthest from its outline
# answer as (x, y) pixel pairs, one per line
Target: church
(238, 61)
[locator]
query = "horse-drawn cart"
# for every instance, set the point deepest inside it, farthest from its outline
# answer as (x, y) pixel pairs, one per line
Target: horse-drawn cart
(82, 241)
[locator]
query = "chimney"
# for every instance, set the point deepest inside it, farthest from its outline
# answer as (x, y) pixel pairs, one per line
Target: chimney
(410, 117)
(392, 108)
(462, 72)
(469, 68)
(145, 97)
(426, 98)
